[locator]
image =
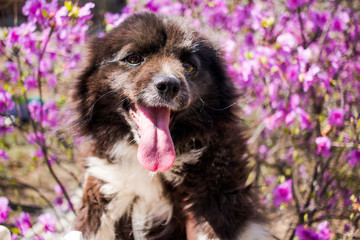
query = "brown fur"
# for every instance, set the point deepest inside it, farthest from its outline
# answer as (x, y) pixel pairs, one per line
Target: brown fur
(204, 116)
(93, 205)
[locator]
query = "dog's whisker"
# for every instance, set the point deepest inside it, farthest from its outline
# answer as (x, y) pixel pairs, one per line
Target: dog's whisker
(93, 105)
(215, 109)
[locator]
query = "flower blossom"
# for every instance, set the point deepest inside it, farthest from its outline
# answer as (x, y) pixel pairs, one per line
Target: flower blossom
(3, 155)
(48, 221)
(354, 157)
(5, 125)
(6, 103)
(293, 4)
(324, 231)
(306, 234)
(323, 146)
(287, 41)
(336, 117)
(4, 209)
(283, 193)
(30, 82)
(49, 114)
(23, 222)
(340, 22)
(34, 138)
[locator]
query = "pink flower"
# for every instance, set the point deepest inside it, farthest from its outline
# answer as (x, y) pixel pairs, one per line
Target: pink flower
(35, 110)
(4, 209)
(306, 234)
(45, 66)
(34, 10)
(323, 146)
(85, 12)
(5, 126)
(319, 19)
(58, 190)
(323, 231)
(34, 138)
(340, 22)
(23, 222)
(13, 72)
(309, 77)
(287, 41)
(48, 221)
(49, 113)
(3, 155)
(6, 103)
(293, 4)
(38, 154)
(336, 117)
(283, 193)
(300, 115)
(52, 159)
(30, 82)
(52, 80)
(354, 157)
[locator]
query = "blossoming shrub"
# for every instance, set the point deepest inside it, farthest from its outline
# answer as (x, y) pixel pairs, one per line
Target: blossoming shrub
(296, 63)
(37, 59)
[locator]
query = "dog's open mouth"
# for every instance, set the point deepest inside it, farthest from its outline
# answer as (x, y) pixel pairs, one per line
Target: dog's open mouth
(156, 149)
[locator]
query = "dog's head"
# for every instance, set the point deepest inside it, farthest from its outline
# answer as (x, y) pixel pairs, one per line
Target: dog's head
(152, 80)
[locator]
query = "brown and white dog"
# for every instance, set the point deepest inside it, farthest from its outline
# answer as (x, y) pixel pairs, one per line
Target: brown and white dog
(167, 160)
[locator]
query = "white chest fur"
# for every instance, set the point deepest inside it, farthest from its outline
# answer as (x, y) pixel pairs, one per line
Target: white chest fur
(133, 190)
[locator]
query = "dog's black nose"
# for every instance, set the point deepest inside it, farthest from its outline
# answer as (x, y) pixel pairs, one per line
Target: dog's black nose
(168, 87)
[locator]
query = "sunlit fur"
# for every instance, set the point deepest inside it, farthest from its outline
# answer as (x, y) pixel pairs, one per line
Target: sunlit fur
(123, 200)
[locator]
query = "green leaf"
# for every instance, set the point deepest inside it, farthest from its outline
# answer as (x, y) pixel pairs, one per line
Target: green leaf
(281, 179)
(264, 60)
(42, 201)
(295, 154)
(15, 230)
(45, 13)
(249, 55)
(68, 5)
(109, 27)
(306, 217)
(75, 12)
(267, 22)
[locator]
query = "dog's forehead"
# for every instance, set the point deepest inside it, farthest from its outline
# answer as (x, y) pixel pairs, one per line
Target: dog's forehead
(150, 32)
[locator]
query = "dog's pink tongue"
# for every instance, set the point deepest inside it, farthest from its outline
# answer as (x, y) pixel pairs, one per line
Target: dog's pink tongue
(156, 149)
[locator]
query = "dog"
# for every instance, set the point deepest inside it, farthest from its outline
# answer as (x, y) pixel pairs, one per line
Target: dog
(167, 158)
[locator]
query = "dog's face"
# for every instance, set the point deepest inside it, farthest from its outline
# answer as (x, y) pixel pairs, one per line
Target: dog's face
(144, 81)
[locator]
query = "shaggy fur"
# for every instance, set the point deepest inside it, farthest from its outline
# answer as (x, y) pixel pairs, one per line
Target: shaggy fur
(122, 199)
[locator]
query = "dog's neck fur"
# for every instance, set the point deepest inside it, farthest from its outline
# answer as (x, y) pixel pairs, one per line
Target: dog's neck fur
(134, 191)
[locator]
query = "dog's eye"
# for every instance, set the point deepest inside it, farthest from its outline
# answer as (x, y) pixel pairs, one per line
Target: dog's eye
(134, 59)
(189, 68)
